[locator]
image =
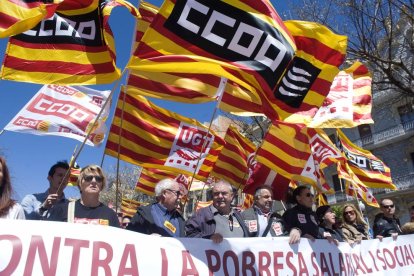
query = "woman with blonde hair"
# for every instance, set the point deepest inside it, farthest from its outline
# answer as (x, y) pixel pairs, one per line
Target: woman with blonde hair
(9, 208)
(354, 227)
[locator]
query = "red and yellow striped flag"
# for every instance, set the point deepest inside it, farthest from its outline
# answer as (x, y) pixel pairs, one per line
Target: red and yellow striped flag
(129, 207)
(74, 46)
(349, 101)
(369, 169)
(232, 162)
(248, 201)
(149, 177)
(17, 16)
(202, 204)
(149, 136)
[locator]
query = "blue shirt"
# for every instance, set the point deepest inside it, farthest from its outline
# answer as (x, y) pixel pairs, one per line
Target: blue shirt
(162, 216)
(31, 205)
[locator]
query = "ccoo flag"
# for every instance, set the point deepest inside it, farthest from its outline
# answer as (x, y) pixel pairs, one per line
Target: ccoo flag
(149, 136)
(74, 46)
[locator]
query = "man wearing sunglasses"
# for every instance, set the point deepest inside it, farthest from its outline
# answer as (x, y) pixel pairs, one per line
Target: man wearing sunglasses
(161, 218)
(386, 224)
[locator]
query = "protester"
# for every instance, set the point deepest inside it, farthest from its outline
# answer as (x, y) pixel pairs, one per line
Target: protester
(327, 230)
(354, 227)
(37, 206)
(218, 220)
(386, 224)
(88, 209)
(408, 228)
(260, 220)
(301, 216)
(161, 218)
(9, 208)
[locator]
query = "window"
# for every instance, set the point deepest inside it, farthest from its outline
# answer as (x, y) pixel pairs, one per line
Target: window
(332, 137)
(406, 113)
(336, 182)
(364, 131)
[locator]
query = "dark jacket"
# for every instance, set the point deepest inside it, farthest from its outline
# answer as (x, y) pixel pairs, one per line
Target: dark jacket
(203, 225)
(335, 233)
(302, 218)
(143, 222)
(384, 226)
(275, 224)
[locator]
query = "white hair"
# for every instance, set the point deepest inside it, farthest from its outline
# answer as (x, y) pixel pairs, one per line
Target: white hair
(163, 185)
(223, 183)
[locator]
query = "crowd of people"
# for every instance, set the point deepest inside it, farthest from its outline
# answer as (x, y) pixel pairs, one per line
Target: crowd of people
(218, 221)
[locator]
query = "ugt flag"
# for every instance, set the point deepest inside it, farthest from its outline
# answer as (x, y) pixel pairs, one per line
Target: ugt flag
(64, 111)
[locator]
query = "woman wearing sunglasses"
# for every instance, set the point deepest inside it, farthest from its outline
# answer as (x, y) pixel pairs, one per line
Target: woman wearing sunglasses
(88, 209)
(354, 227)
(301, 217)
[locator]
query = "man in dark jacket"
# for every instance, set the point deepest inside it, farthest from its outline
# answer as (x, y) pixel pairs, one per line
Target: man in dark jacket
(218, 220)
(260, 220)
(386, 224)
(161, 218)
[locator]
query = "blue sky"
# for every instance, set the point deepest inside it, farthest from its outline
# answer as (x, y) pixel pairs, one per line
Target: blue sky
(29, 157)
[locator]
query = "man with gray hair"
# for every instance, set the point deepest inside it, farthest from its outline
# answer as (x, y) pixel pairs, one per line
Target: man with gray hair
(161, 218)
(218, 220)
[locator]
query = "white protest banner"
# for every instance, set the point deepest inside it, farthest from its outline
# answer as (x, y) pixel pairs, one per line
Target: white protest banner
(58, 248)
(68, 111)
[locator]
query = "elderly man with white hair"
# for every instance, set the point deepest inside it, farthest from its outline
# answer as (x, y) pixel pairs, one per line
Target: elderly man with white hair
(161, 218)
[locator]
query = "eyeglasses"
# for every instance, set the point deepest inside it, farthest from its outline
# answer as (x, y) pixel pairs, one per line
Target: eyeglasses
(89, 178)
(349, 213)
(309, 195)
(388, 206)
(177, 193)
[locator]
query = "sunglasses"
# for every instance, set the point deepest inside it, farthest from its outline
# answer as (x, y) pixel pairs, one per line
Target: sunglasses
(177, 193)
(349, 213)
(89, 178)
(388, 206)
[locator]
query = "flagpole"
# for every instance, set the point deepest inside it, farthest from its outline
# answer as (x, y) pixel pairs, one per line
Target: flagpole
(219, 95)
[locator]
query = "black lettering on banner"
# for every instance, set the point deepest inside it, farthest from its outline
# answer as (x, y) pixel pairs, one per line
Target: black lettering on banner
(232, 34)
(296, 82)
(84, 29)
(363, 162)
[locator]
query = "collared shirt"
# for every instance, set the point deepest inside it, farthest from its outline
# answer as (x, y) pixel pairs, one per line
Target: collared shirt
(31, 205)
(263, 220)
(166, 219)
(227, 225)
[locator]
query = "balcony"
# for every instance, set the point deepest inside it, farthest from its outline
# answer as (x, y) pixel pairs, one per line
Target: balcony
(403, 183)
(387, 136)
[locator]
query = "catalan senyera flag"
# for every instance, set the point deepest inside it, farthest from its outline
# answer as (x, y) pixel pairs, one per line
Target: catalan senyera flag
(253, 59)
(349, 101)
(369, 169)
(149, 136)
(298, 153)
(308, 78)
(232, 162)
(129, 207)
(321, 199)
(73, 46)
(202, 204)
(353, 185)
(149, 177)
(17, 16)
(260, 174)
(248, 201)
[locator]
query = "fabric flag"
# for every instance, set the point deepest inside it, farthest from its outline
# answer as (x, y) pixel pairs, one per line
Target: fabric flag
(260, 174)
(244, 42)
(17, 16)
(353, 185)
(73, 46)
(321, 199)
(129, 207)
(149, 177)
(372, 172)
(231, 164)
(202, 204)
(349, 101)
(153, 137)
(248, 201)
(64, 111)
(298, 153)
(307, 81)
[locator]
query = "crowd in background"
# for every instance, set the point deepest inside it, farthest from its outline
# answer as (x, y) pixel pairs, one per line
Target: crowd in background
(216, 222)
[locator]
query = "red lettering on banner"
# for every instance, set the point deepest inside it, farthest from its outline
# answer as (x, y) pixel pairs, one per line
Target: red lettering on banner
(76, 248)
(314, 264)
(67, 110)
(358, 264)
(368, 269)
(396, 256)
(342, 267)
(213, 267)
(193, 138)
(373, 260)
(409, 254)
(246, 264)
(263, 263)
(349, 264)
(302, 265)
(393, 264)
(37, 246)
(97, 100)
(26, 122)
(324, 264)
(381, 259)
(402, 254)
(130, 255)
(101, 263)
(332, 265)
(164, 263)
(276, 264)
(187, 260)
(65, 90)
(16, 255)
(230, 254)
(289, 256)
